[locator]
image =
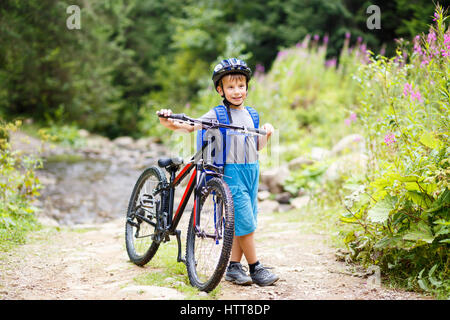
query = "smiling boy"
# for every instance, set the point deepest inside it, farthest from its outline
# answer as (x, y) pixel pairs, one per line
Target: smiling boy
(241, 168)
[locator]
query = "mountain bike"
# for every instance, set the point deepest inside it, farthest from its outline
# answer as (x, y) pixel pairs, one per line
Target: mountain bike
(151, 218)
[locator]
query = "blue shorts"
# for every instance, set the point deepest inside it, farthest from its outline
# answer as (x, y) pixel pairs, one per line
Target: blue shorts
(243, 180)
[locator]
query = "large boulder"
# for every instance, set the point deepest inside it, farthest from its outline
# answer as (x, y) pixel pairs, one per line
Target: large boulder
(349, 164)
(319, 154)
(299, 163)
(353, 143)
(268, 206)
(124, 142)
(274, 178)
(300, 202)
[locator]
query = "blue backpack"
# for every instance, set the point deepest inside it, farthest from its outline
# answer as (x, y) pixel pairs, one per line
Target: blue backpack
(222, 117)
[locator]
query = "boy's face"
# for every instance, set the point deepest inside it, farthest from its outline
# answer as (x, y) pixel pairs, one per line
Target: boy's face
(234, 88)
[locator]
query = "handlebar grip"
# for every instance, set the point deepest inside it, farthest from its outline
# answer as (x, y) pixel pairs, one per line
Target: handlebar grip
(263, 132)
(177, 116)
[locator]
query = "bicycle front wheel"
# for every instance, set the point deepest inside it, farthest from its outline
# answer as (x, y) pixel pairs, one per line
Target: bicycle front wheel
(210, 236)
(146, 205)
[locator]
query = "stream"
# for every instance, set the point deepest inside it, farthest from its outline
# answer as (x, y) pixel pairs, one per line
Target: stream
(85, 191)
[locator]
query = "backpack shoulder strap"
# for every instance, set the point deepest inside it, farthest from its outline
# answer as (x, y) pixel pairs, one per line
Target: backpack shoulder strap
(222, 115)
(255, 116)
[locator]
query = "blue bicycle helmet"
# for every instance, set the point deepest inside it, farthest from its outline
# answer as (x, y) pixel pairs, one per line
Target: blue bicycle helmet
(229, 66)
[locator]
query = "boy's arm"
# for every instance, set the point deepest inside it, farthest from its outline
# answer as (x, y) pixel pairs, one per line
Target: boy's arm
(262, 140)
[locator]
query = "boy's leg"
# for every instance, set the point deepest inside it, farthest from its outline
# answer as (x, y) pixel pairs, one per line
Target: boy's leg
(244, 245)
(260, 275)
(236, 250)
(235, 273)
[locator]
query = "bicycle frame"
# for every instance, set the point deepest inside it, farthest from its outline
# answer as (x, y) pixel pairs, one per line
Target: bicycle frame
(196, 181)
(194, 185)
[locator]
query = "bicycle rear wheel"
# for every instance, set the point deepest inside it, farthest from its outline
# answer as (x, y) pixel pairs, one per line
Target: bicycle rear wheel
(145, 203)
(208, 247)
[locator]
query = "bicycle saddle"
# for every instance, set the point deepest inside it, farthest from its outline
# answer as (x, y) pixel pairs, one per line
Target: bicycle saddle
(168, 162)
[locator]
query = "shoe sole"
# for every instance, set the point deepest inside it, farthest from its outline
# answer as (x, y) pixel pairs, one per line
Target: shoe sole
(246, 283)
(267, 284)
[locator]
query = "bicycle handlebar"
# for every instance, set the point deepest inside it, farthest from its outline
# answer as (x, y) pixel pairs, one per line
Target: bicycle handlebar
(212, 124)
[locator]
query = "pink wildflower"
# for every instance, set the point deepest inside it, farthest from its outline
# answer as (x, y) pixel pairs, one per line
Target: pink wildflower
(425, 62)
(350, 119)
(417, 47)
(330, 63)
(282, 53)
(259, 68)
(447, 39)
(389, 139)
(416, 95)
(407, 89)
(436, 16)
(431, 37)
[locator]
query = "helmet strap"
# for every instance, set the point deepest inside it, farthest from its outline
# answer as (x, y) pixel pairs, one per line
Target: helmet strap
(228, 104)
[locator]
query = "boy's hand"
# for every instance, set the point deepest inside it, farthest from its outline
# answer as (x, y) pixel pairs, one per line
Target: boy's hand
(269, 129)
(165, 121)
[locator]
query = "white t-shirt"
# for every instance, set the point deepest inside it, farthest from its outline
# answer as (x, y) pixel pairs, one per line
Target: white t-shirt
(241, 148)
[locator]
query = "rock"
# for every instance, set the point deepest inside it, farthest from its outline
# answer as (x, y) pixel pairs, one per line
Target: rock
(319, 153)
(83, 133)
(349, 164)
(47, 221)
(274, 178)
(351, 143)
(268, 206)
(149, 155)
(153, 292)
(300, 202)
(97, 142)
(283, 197)
(144, 144)
(285, 207)
(298, 163)
(263, 195)
(124, 142)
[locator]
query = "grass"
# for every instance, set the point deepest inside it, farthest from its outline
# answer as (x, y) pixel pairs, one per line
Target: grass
(167, 272)
(318, 217)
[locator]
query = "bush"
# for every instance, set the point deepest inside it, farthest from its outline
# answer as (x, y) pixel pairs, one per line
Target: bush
(19, 186)
(400, 210)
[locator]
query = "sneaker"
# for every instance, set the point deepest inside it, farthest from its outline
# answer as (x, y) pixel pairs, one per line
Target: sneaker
(236, 274)
(263, 277)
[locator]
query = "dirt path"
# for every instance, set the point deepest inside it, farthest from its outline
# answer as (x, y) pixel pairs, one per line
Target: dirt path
(90, 262)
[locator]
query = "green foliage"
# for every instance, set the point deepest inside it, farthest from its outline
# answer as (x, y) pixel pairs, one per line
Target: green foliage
(133, 55)
(19, 185)
(306, 179)
(401, 210)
